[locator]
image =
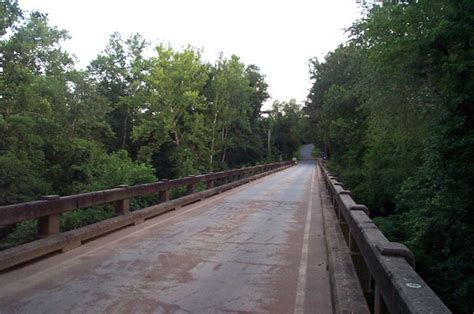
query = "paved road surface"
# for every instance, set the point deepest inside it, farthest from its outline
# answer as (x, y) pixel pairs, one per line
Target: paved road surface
(258, 248)
(306, 151)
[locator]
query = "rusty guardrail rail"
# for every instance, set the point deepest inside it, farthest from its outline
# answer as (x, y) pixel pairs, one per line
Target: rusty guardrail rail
(385, 269)
(48, 209)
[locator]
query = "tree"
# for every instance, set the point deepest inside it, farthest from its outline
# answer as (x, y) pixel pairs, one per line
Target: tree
(403, 119)
(119, 73)
(229, 108)
(87, 110)
(33, 102)
(286, 125)
(10, 13)
(125, 120)
(259, 93)
(174, 111)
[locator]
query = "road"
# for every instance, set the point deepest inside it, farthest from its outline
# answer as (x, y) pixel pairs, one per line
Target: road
(258, 248)
(306, 151)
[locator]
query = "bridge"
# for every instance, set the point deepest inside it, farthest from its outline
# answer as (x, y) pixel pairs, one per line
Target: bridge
(277, 238)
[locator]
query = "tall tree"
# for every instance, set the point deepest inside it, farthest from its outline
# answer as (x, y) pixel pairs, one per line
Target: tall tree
(119, 73)
(174, 111)
(32, 104)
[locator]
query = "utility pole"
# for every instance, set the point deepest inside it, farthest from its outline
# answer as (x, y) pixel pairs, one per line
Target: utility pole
(269, 133)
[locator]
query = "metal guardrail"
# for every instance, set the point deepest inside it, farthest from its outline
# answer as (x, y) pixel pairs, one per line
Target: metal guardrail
(48, 209)
(385, 269)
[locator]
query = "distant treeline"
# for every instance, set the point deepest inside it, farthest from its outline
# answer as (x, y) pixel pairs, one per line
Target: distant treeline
(394, 110)
(126, 119)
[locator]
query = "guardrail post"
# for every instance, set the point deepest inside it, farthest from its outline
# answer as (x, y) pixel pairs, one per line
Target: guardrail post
(209, 184)
(122, 207)
(48, 225)
(342, 220)
(379, 305)
(164, 194)
(191, 188)
(362, 270)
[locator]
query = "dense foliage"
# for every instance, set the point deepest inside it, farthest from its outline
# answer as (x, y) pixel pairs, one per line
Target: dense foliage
(126, 119)
(394, 110)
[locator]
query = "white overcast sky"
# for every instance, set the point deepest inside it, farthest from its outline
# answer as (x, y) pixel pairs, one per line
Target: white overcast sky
(277, 36)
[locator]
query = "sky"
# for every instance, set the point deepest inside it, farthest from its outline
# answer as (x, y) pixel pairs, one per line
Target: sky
(277, 36)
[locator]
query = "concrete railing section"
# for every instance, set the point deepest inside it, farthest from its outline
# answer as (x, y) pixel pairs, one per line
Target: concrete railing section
(47, 210)
(386, 270)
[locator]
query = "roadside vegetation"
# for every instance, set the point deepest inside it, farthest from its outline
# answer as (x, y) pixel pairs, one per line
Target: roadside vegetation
(394, 109)
(125, 119)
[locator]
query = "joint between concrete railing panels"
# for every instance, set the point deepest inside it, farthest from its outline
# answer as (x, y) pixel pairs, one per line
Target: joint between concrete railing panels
(338, 184)
(345, 192)
(50, 224)
(396, 249)
(361, 207)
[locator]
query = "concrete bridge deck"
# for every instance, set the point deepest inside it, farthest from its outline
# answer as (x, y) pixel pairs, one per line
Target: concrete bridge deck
(257, 248)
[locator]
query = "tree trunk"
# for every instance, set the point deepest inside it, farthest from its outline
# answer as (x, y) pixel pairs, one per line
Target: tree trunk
(73, 126)
(213, 139)
(124, 135)
(176, 138)
(224, 135)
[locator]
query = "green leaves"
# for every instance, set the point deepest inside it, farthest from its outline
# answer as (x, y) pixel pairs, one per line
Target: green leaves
(394, 107)
(174, 106)
(9, 13)
(127, 119)
(286, 123)
(20, 180)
